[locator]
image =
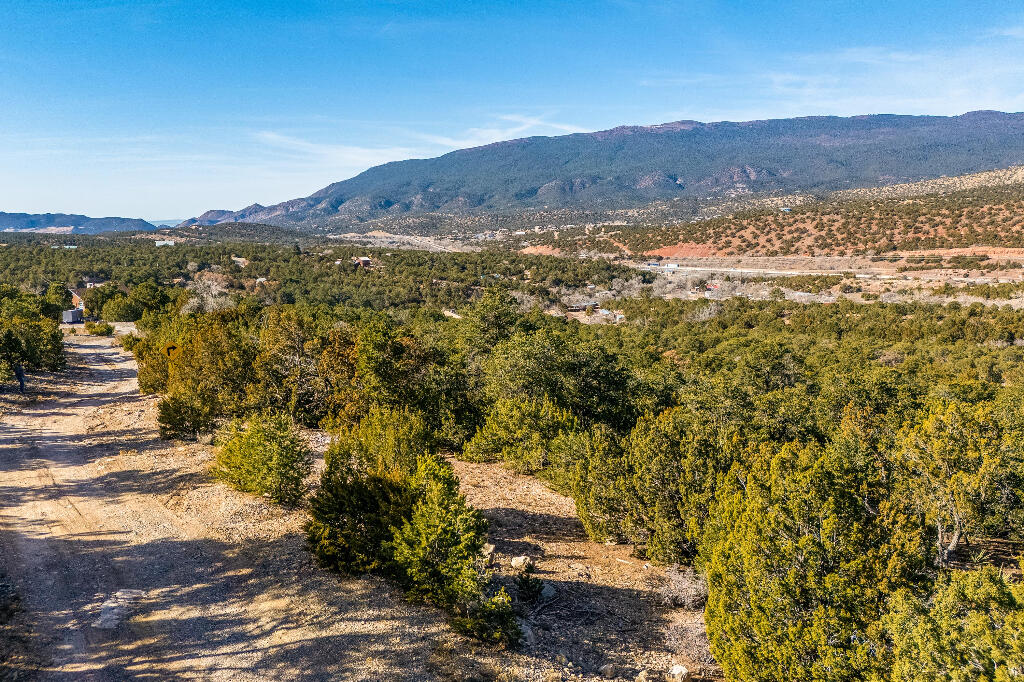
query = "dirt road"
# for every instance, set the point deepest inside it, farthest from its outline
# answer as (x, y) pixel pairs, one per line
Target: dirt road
(132, 564)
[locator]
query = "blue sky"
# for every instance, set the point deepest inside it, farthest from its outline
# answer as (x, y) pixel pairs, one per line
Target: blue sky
(165, 108)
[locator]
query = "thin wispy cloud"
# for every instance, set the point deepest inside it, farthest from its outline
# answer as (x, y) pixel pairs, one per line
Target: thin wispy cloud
(872, 56)
(1016, 32)
(280, 99)
(521, 126)
(948, 81)
(987, 73)
(230, 169)
(348, 156)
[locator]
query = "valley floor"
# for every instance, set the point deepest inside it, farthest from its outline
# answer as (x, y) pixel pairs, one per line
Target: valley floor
(132, 563)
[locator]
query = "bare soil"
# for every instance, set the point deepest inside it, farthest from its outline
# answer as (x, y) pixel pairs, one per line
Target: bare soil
(131, 562)
(606, 606)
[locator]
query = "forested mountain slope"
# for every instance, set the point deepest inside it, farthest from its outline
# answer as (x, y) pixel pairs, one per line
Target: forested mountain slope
(636, 165)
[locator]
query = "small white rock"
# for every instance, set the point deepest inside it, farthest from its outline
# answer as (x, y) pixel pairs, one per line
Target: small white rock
(608, 671)
(679, 673)
(522, 563)
(113, 610)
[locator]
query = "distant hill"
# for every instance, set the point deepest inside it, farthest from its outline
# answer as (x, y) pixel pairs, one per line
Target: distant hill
(981, 212)
(69, 223)
(240, 232)
(632, 166)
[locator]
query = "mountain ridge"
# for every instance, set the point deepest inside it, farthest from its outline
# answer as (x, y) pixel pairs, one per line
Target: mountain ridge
(630, 166)
(73, 223)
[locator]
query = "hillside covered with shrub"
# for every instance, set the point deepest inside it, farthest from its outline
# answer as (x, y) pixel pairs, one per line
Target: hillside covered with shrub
(845, 224)
(831, 470)
(848, 479)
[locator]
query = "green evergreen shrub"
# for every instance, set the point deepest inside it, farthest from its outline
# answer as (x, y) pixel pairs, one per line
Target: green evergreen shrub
(520, 432)
(961, 471)
(352, 517)
(804, 549)
(595, 472)
(386, 439)
(490, 619)
(120, 308)
(662, 488)
(264, 455)
(438, 553)
(128, 341)
(570, 371)
(183, 418)
(970, 629)
(371, 515)
(439, 547)
(99, 328)
(367, 490)
(528, 586)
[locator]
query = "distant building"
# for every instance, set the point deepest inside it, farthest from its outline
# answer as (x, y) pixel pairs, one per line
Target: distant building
(72, 316)
(164, 242)
(76, 299)
(363, 262)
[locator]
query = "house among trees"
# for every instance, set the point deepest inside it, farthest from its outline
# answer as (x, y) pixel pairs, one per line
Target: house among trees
(93, 282)
(77, 302)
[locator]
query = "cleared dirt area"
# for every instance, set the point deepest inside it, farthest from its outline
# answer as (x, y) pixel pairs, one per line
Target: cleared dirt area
(132, 563)
(607, 605)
